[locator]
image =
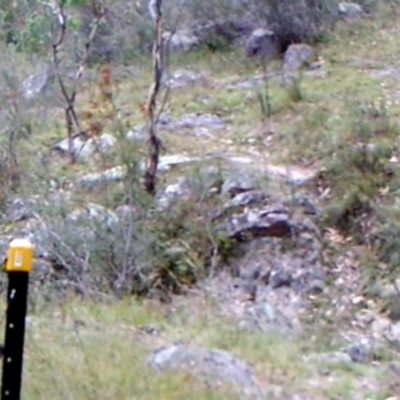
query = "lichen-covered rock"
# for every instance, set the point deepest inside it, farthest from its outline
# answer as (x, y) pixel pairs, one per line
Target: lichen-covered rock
(296, 57)
(350, 10)
(263, 43)
(85, 149)
(209, 365)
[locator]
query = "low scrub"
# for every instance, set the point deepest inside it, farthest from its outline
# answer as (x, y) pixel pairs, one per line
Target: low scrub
(357, 169)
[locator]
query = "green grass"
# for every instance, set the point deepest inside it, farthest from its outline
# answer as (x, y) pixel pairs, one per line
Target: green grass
(94, 350)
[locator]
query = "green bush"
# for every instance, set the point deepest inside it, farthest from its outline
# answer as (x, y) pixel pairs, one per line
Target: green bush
(356, 164)
(384, 239)
(26, 25)
(148, 251)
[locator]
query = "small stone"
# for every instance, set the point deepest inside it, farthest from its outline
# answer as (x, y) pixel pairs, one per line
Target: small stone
(279, 278)
(175, 191)
(237, 182)
(36, 85)
(359, 352)
(350, 10)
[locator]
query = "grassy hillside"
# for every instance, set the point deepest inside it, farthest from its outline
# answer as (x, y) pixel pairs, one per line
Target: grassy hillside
(343, 123)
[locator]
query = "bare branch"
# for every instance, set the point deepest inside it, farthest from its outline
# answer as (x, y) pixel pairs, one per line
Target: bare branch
(154, 142)
(71, 117)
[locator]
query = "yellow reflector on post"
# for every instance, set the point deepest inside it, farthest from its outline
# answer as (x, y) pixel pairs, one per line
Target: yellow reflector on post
(19, 256)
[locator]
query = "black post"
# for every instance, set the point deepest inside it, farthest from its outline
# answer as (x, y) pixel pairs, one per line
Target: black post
(14, 335)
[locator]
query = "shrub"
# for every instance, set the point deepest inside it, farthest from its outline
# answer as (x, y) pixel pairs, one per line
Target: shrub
(385, 238)
(302, 21)
(95, 250)
(357, 167)
(25, 25)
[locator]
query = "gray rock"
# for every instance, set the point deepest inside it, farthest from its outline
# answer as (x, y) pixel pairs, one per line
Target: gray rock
(241, 200)
(88, 181)
(84, 150)
(350, 10)
(118, 173)
(392, 333)
(21, 209)
(205, 181)
(362, 351)
(268, 318)
(271, 221)
(280, 277)
(99, 145)
(252, 81)
(247, 198)
(394, 368)
(334, 357)
(183, 78)
(175, 191)
(263, 43)
(237, 182)
(181, 41)
(292, 265)
(167, 162)
(251, 275)
(212, 366)
(39, 235)
(137, 133)
(292, 174)
(36, 85)
(63, 146)
(301, 200)
(316, 286)
(195, 121)
(296, 57)
(125, 212)
(92, 213)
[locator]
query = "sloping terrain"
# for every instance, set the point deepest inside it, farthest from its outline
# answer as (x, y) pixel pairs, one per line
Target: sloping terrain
(277, 234)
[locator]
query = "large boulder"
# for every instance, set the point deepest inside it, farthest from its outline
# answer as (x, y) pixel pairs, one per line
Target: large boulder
(263, 43)
(297, 57)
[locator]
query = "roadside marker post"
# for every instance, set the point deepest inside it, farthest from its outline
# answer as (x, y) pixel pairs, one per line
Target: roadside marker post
(18, 265)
